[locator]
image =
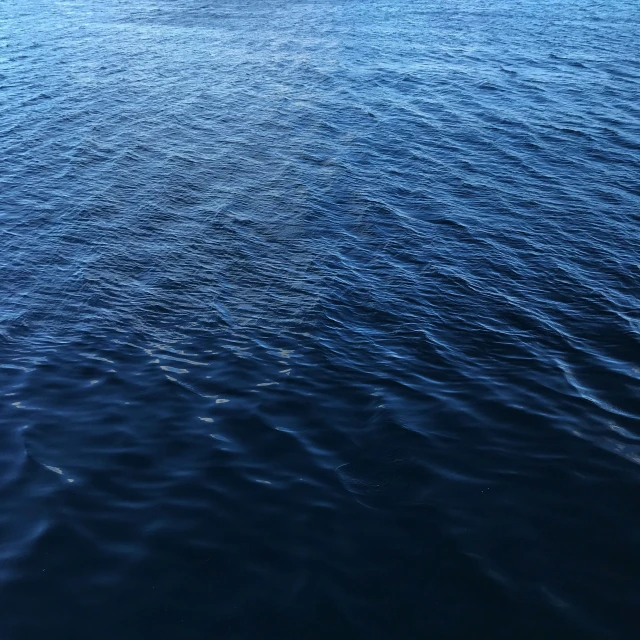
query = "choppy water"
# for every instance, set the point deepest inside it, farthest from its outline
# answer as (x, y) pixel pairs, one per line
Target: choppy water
(319, 319)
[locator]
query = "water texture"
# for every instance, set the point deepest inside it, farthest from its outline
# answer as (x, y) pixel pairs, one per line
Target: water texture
(319, 319)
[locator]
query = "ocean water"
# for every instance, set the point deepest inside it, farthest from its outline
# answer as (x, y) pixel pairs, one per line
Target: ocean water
(319, 319)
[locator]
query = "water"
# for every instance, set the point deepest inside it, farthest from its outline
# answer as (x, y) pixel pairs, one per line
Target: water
(319, 319)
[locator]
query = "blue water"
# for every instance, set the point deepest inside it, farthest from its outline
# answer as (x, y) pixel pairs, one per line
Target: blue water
(319, 319)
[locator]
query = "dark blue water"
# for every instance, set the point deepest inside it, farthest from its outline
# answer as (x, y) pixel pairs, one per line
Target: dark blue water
(319, 319)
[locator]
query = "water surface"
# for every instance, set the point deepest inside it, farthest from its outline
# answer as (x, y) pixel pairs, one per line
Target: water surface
(319, 319)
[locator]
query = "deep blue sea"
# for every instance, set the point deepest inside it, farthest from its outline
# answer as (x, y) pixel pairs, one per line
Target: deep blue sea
(319, 319)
